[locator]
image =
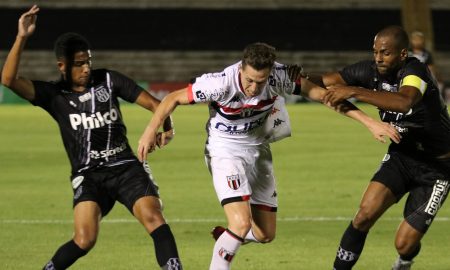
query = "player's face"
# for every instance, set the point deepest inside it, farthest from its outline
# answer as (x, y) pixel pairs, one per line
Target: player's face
(253, 81)
(386, 55)
(81, 69)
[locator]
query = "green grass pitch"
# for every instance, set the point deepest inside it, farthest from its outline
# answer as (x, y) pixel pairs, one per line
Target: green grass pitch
(321, 172)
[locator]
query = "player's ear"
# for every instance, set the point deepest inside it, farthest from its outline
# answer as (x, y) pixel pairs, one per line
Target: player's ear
(403, 54)
(61, 66)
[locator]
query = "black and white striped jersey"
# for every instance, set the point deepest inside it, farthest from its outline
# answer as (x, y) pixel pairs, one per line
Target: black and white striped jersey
(90, 122)
(425, 128)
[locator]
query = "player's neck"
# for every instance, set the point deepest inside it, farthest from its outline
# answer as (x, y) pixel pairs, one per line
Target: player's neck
(78, 88)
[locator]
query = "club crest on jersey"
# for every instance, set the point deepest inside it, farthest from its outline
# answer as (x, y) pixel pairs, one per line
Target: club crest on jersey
(102, 94)
(246, 112)
(233, 181)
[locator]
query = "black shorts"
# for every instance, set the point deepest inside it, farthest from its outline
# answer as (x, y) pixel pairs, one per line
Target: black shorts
(125, 183)
(426, 181)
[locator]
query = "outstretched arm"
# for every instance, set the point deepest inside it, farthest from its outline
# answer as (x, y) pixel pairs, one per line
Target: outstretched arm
(149, 102)
(148, 139)
(401, 101)
(23, 87)
(378, 129)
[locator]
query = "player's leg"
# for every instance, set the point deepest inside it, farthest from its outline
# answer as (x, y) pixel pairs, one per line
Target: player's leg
(238, 215)
(407, 242)
(87, 215)
(149, 213)
(264, 224)
(421, 208)
(139, 193)
(264, 200)
(376, 200)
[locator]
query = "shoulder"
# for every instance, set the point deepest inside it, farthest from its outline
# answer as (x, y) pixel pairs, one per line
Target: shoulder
(414, 66)
(360, 71)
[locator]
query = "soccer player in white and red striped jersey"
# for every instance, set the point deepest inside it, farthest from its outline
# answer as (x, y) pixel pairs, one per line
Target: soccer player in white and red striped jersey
(237, 153)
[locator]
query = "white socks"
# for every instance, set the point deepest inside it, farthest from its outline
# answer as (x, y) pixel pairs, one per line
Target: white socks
(224, 250)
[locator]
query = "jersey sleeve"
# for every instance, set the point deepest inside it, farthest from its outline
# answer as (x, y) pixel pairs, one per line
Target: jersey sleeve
(207, 88)
(44, 93)
(125, 87)
(415, 75)
(282, 83)
(358, 74)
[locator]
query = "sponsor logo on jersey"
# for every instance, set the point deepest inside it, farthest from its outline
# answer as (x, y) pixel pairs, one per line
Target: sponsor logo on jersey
(233, 181)
(95, 154)
(85, 97)
(240, 129)
(277, 122)
(200, 95)
(235, 99)
(94, 120)
(386, 157)
(393, 116)
(389, 87)
(280, 84)
(213, 95)
(102, 94)
(76, 182)
(440, 190)
(215, 75)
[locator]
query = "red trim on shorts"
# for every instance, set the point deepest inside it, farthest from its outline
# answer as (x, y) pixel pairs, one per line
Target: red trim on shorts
(235, 199)
(265, 207)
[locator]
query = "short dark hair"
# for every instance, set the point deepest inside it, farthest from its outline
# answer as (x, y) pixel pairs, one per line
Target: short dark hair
(259, 56)
(398, 34)
(67, 44)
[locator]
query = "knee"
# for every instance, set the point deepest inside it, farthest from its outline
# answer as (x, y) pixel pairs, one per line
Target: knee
(405, 246)
(364, 219)
(151, 219)
(241, 227)
(85, 241)
(267, 238)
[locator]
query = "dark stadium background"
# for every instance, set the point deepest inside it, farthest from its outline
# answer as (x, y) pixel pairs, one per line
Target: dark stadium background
(217, 29)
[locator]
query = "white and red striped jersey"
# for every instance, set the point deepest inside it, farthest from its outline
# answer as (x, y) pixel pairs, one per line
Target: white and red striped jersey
(234, 117)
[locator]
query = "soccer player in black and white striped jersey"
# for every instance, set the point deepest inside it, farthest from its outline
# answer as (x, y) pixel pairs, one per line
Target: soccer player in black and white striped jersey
(84, 103)
(407, 96)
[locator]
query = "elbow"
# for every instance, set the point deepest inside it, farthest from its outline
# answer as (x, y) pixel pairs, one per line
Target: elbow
(405, 106)
(404, 110)
(7, 80)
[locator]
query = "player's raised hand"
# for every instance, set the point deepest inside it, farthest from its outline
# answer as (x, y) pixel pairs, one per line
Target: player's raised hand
(27, 22)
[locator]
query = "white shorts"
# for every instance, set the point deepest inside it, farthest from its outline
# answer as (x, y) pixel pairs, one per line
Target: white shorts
(242, 172)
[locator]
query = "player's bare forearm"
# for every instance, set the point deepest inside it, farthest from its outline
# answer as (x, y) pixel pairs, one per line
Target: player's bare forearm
(401, 101)
(10, 78)
(148, 140)
(379, 129)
